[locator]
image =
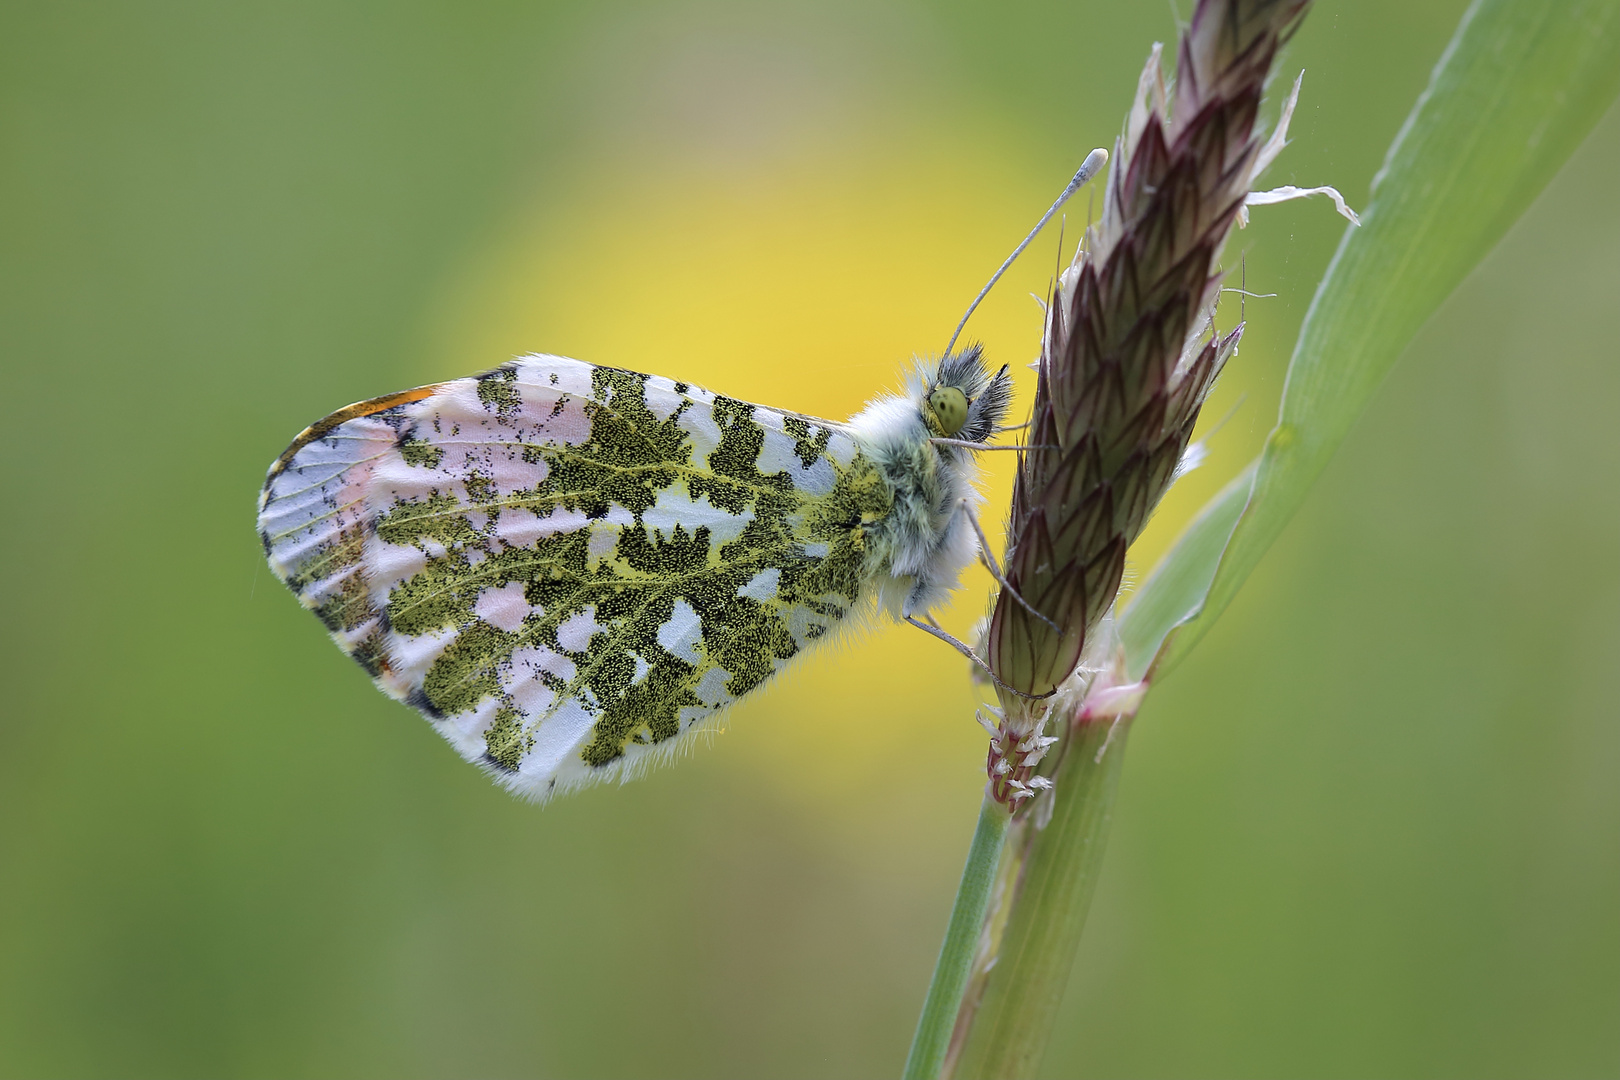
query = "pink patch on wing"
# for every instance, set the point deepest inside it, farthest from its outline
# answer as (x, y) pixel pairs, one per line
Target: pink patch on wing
(505, 607)
(569, 427)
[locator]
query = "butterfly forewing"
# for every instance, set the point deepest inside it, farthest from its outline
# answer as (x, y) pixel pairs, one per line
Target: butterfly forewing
(567, 567)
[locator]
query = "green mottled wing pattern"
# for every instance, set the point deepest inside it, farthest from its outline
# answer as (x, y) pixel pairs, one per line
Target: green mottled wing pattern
(566, 568)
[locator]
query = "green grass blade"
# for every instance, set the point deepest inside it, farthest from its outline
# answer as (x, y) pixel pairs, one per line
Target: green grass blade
(1515, 92)
(1175, 591)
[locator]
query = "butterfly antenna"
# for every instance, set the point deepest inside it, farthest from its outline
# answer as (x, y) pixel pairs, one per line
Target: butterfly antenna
(1089, 168)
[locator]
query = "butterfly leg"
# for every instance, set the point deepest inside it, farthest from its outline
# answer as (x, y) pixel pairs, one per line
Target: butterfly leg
(990, 564)
(932, 627)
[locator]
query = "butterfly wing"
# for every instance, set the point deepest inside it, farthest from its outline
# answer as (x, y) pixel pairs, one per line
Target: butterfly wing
(567, 568)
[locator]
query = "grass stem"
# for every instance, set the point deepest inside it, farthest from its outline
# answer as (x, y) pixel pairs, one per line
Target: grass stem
(938, 1018)
(1008, 1033)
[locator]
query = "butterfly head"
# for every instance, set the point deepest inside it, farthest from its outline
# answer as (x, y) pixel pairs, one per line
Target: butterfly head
(962, 399)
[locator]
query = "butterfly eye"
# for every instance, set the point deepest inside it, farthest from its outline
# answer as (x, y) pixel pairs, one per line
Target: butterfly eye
(950, 407)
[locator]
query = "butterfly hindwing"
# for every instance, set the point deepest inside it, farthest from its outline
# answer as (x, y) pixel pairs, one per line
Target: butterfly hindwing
(567, 567)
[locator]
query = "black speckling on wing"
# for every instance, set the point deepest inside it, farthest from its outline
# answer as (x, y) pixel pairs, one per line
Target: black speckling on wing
(566, 567)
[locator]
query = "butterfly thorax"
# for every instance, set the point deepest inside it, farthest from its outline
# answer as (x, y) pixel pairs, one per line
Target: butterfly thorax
(919, 549)
(922, 443)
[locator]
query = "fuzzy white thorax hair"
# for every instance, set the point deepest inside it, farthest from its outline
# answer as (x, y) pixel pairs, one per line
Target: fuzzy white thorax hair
(919, 551)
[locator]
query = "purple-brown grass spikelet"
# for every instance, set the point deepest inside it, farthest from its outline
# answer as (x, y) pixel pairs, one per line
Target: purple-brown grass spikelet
(1129, 354)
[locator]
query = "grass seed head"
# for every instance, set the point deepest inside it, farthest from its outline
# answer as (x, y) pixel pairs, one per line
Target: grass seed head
(1130, 350)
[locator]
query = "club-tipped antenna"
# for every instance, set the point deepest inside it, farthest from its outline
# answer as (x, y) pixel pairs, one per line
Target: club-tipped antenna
(1089, 168)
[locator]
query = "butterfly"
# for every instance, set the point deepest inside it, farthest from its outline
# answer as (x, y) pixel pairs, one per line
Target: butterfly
(570, 569)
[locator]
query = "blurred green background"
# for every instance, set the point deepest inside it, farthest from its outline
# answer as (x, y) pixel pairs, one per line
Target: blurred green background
(1371, 828)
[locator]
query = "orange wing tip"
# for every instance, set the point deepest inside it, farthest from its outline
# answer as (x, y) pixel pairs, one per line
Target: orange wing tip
(369, 407)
